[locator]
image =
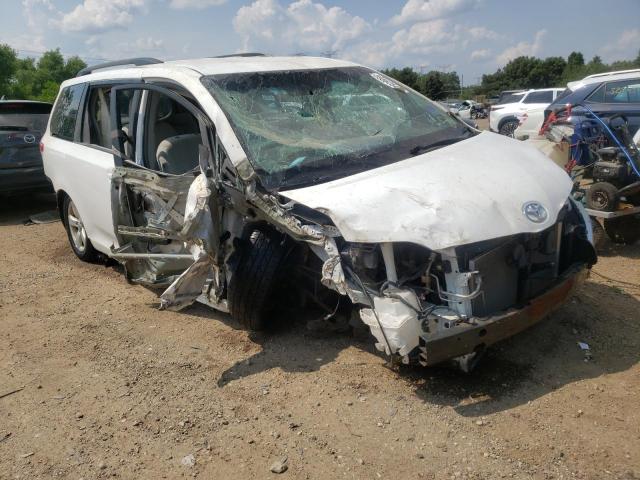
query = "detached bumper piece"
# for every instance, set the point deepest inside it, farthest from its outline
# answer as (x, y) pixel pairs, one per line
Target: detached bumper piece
(475, 334)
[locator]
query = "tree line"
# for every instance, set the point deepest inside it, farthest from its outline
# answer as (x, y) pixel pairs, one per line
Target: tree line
(520, 73)
(28, 79)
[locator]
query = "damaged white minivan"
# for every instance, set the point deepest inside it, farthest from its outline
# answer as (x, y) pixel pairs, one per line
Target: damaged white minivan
(247, 182)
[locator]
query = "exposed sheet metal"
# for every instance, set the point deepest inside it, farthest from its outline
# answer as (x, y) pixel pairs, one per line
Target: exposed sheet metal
(444, 198)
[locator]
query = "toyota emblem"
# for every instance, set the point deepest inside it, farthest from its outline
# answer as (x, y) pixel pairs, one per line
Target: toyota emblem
(535, 212)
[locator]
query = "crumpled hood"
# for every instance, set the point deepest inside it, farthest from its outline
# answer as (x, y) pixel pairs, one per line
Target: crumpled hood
(471, 191)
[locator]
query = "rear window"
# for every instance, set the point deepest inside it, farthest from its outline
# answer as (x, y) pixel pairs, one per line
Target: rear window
(540, 97)
(24, 108)
(65, 113)
(509, 98)
(24, 116)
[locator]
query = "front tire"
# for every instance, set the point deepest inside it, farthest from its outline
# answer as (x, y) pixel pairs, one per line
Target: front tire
(253, 289)
(508, 128)
(76, 232)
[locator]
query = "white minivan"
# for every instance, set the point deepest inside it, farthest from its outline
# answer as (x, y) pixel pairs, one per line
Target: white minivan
(270, 186)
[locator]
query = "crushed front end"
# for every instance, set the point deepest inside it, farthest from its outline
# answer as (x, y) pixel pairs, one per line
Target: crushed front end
(427, 306)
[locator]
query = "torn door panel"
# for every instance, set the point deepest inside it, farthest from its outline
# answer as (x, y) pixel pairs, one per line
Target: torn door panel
(160, 220)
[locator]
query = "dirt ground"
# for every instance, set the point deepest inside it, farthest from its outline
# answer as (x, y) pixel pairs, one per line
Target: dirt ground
(112, 387)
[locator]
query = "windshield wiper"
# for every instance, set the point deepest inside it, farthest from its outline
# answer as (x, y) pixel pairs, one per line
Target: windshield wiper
(435, 145)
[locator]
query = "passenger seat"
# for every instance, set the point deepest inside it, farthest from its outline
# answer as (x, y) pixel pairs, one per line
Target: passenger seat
(179, 154)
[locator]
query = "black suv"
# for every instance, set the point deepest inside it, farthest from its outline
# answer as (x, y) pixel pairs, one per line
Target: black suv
(22, 124)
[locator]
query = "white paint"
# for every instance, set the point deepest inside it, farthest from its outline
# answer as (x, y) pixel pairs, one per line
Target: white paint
(471, 191)
(84, 173)
(400, 322)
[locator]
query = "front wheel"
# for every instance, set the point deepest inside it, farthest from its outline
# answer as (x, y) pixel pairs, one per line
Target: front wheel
(508, 128)
(253, 290)
(77, 233)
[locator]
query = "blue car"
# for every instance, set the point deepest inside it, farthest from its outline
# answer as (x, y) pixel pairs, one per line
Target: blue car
(606, 94)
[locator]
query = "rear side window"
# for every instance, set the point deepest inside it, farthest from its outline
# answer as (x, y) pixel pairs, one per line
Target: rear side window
(539, 97)
(626, 91)
(65, 113)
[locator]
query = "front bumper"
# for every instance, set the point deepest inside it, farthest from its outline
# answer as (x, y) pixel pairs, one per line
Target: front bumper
(478, 333)
(14, 180)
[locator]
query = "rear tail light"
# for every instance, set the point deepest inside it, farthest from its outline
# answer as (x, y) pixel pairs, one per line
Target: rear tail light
(41, 147)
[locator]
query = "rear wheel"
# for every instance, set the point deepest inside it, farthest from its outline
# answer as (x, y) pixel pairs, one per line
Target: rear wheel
(253, 289)
(508, 128)
(80, 243)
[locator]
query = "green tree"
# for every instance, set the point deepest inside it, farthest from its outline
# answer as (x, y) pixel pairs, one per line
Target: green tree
(8, 60)
(52, 65)
(575, 59)
(73, 66)
(407, 75)
(433, 85)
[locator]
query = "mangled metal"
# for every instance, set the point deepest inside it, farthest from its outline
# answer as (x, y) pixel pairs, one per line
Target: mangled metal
(434, 256)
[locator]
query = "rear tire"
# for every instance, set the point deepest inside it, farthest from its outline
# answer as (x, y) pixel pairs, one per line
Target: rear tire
(602, 196)
(76, 233)
(259, 273)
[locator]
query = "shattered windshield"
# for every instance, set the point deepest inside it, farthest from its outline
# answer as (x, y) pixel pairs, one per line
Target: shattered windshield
(305, 127)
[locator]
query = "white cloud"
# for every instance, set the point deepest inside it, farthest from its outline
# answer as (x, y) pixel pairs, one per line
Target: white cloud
(425, 37)
(482, 33)
(481, 54)
(37, 12)
(197, 4)
(523, 49)
(421, 10)
(100, 15)
(625, 47)
(302, 26)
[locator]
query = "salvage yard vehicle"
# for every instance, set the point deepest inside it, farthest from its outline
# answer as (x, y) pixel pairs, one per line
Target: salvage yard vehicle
(252, 182)
(505, 117)
(603, 159)
(606, 94)
(22, 123)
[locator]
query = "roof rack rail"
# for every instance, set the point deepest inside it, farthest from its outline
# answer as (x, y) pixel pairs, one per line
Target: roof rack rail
(137, 62)
(249, 54)
(617, 72)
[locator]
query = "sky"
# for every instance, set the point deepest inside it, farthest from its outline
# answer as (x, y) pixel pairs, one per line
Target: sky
(470, 37)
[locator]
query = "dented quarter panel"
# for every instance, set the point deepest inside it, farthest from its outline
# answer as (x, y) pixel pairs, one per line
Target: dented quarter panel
(471, 191)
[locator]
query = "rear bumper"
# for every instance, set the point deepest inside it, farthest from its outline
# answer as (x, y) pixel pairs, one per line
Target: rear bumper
(13, 180)
(482, 332)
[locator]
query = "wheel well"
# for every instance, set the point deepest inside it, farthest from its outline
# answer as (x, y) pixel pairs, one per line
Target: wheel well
(60, 196)
(505, 120)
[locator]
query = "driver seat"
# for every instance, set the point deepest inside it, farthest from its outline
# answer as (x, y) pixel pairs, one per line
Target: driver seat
(179, 154)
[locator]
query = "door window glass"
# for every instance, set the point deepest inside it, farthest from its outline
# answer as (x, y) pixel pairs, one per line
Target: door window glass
(65, 113)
